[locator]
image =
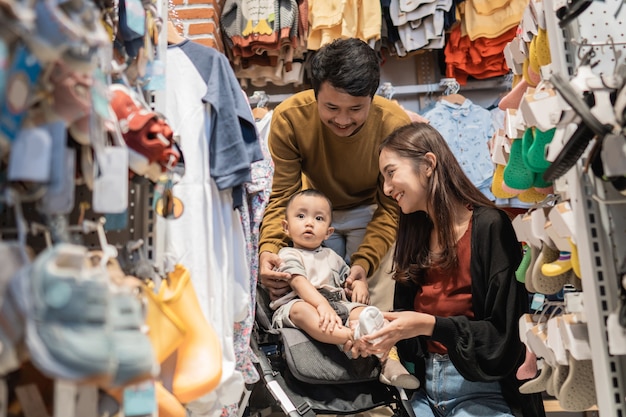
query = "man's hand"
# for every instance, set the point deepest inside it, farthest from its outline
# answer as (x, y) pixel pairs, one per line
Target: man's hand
(277, 283)
(358, 293)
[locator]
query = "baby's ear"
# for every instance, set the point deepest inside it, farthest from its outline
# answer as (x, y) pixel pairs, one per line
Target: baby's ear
(329, 232)
(285, 226)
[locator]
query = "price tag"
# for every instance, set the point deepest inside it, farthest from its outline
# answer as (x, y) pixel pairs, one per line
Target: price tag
(140, 400)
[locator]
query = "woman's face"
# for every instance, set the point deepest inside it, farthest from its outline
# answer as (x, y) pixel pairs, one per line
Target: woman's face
(403, 182)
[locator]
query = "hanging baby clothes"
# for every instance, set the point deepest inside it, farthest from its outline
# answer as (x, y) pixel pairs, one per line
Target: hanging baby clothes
(467, 128)
(266, 40)
(420, 24)
(218, 137)
(330, 20)
(256, 197)
(481, 58)
(257, 194)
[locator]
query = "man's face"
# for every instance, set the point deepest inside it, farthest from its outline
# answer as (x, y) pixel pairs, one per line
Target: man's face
(342, 113)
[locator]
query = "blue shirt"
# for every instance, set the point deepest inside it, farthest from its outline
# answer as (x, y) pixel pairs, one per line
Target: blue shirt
(467, 129)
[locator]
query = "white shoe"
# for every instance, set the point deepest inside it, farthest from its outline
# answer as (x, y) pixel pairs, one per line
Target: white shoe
(370, 321)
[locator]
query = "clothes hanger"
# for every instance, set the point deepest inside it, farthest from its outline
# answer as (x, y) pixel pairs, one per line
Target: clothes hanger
(451, 92)
(261, 99)
(259, 113)
(454, 98)
(173, 35)
(387, 90)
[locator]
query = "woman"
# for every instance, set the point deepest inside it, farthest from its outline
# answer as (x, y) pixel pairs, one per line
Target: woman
(457, 302)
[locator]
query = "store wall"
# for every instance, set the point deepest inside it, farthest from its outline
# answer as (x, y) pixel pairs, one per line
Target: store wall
(200, 21)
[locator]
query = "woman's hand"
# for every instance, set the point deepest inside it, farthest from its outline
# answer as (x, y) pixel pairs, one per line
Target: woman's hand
(350, 345)
(277, 283)
(402, 325)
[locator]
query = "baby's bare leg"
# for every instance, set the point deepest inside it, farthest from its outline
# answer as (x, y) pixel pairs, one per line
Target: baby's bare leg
(305, 316)
(355, 313)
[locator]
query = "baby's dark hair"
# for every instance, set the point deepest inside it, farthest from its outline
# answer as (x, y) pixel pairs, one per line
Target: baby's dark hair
(310, 192)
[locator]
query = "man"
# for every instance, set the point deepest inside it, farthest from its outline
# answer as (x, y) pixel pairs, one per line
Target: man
(327, 138)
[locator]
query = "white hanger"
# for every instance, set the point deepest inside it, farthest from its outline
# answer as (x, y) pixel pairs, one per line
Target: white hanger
(450, 94)
(575, 337)
(173, 35)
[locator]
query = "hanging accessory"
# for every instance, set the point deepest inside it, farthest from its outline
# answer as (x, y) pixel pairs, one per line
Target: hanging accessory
(165, 203)
(149, 137)
(590, 128)
(616, 322)
(452, 88)
(571, 11)
(198, 367)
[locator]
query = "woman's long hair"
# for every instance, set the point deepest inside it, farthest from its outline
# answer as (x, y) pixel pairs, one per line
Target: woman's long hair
(446, 187)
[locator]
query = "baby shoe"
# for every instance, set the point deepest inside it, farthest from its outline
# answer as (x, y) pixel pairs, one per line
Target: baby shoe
(67, 329)
(370, 320)
(394, 373)
(132, 348)
(149, 137)
(71, 92)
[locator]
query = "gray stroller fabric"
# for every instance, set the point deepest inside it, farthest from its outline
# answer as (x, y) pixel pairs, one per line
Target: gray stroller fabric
(320, 363)
(315, 377)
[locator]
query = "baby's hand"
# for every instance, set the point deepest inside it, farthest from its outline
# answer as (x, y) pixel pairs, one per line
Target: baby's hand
(329, 320)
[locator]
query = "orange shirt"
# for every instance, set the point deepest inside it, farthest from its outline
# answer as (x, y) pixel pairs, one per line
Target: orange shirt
(448, 293)
(481, 58)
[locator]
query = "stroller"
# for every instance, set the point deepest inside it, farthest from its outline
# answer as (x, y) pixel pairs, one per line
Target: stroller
(306, 377)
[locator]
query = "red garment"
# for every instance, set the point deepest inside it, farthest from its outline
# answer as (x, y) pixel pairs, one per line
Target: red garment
(448, 293)
(481, 58)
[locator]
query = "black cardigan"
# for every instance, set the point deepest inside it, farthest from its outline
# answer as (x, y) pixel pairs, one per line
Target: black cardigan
(487, 347)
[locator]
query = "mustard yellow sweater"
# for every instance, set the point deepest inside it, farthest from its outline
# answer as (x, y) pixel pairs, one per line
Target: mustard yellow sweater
(345, 169)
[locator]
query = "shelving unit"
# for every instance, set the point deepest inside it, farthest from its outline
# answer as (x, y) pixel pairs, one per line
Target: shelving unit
(599, 210)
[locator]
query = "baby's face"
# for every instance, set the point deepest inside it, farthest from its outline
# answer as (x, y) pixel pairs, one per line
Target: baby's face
(308, 221)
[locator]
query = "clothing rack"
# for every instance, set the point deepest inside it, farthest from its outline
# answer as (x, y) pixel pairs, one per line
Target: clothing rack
(495, 84)
(451, 85)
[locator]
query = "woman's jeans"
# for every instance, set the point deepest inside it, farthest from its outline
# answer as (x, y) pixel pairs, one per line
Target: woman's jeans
(447, 393)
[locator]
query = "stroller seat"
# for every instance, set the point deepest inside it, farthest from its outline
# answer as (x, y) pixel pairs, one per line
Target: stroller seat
(306, 377)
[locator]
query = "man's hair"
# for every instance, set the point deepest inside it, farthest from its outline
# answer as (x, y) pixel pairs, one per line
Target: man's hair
(350, 65)
(311, 192)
